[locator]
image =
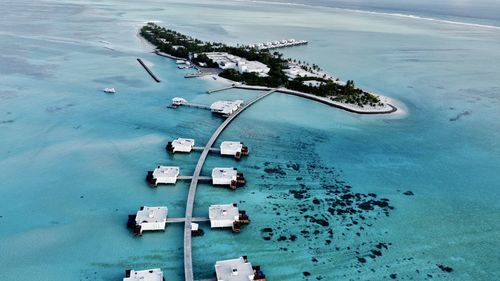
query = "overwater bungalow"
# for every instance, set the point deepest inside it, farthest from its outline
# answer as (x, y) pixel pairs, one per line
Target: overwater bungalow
(233, 148)
(163, 175)
(180, 145)
(238, 270)
(154, 274)
(148, 219)
(224, 107)
(227, 176)
(227, 216)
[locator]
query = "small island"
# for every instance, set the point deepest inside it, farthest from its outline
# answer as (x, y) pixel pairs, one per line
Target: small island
(254, 66)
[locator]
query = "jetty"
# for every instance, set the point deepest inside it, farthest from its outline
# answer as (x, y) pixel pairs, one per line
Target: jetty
(148, 70)
(389, 108)
(220, 89)
(188, 258)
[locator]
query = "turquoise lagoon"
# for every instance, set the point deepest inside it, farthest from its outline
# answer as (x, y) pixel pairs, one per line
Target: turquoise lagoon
(73, 159)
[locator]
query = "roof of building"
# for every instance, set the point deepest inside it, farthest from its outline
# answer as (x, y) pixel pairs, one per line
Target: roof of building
(225, 106)
(231, 145)
(166, 171)
(151, 214)
(234, 270)
(220, 173)
(223, 212)
(145, 275)
(183, 142)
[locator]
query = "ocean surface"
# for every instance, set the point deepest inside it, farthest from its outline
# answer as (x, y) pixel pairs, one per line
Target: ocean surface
(331, 195)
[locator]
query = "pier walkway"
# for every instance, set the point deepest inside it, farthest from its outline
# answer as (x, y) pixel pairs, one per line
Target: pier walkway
(347, 107)
(220, 89)
(194, 219)
(188, 258)
(201, 178)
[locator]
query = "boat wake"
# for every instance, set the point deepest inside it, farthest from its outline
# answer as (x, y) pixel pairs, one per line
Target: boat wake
(400, 15)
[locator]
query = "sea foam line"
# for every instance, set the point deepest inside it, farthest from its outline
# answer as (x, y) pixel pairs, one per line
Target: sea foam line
(409, 16)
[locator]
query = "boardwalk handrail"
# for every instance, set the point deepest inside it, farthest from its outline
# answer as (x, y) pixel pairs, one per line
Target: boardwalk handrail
(188, 258)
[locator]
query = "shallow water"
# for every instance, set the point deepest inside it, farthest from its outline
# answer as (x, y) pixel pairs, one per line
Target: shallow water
(73, 159)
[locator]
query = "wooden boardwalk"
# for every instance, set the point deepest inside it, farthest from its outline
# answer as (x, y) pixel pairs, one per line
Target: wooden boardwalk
(194, 219)
(188, 258)
(200, 178)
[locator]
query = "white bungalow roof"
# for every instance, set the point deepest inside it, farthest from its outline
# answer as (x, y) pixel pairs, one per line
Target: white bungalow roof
(145, 275)
(231, 146)
(223, 212)
(234, 270)
(166, 171)
(225, 107)
(151, 214)
(183, 142)
(224, 173)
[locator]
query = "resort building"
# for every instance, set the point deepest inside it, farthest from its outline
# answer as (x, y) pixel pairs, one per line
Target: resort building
(227, 176)
(180, 145)
(228, 61)
(233, 148)
(163, 175)
(147, 219)
(225, 107)
(312, 83)
(177, 101)
(238, 270)
(144, 275)
(227, 216)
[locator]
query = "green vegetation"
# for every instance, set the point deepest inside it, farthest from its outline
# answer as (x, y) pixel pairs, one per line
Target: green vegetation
(182, 46)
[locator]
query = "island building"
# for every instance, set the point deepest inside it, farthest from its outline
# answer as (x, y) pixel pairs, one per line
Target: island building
(148, 219)
(180, 145)
(228, 61)
(163, 175)
(224, 107)
(233, 148)
(227, 216)
(144, 275)
(238, 270)
(227, 176)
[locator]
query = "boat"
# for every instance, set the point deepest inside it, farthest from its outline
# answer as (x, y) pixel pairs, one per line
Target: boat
(109, 90)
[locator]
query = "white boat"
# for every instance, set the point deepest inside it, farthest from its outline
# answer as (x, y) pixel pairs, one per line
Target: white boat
(109, 90)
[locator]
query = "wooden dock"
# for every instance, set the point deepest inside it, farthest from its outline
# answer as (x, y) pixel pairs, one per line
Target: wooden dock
(188, 258)
(201, 178)
(196, 105)
(220, 89)
(201, 148)
(194, 219)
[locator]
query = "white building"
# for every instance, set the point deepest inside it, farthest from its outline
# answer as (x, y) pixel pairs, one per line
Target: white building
(178, 101)
(148, 218)
(180, 145)
(163, 174)
(312, 83)
(237, 270)
(233, 148)
(223, 216)
(225, 107)
(144, 275)
(227, 176)
(228, 61)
